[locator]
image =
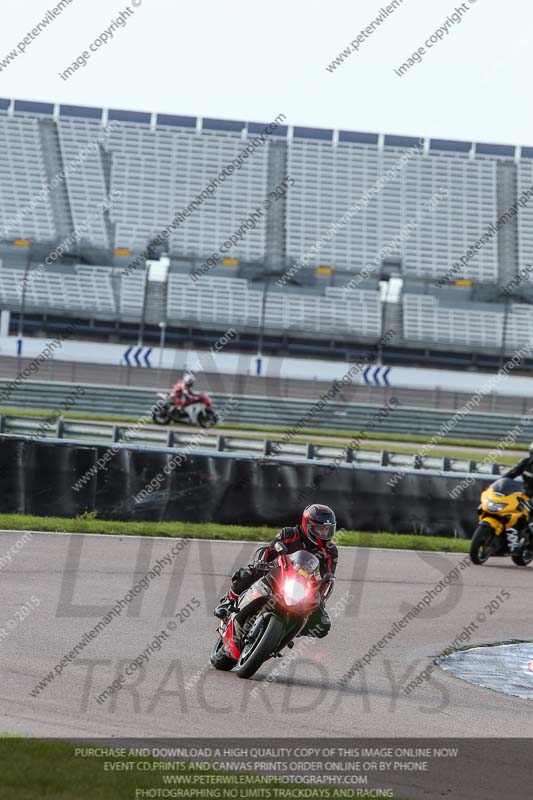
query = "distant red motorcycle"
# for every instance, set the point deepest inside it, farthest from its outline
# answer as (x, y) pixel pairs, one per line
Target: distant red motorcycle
(270, 614)
(198, 412)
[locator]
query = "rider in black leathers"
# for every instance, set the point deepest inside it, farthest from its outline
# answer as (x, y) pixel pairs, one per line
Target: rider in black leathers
(524, 468)
(315, 534)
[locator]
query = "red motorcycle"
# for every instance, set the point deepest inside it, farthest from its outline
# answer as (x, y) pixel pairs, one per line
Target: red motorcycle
(197, 412)
(270, 614)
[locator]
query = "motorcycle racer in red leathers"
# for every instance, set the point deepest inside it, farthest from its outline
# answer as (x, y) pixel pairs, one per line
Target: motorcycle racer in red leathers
(315, 533)
(181, 393)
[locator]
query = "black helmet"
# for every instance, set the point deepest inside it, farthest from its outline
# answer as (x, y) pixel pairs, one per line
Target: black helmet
(319, 523)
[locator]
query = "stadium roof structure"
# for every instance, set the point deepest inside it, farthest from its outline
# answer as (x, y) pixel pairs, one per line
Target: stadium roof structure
(156, 119)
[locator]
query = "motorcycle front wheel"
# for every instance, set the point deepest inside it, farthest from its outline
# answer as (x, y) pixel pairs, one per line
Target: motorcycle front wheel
(161, 416)
(482, 544)
(219, 658)
(262, 646)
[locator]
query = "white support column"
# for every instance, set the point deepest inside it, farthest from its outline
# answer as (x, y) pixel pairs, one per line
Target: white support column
(5, 316)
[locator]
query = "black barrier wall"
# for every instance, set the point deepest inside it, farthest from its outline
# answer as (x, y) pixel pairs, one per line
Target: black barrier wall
(122, 482)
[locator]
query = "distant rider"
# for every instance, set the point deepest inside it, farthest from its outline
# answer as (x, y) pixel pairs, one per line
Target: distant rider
(181, 393)
(314, 534)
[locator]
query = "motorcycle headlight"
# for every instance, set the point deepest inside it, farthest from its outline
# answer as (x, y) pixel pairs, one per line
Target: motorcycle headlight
(294, 591)
(492, 506)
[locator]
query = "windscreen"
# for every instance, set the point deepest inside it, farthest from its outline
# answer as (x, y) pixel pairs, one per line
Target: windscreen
(302, 560)
(505, 486)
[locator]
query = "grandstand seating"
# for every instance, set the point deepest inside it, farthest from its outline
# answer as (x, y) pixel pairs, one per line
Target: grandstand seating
(436, 320)
(87, 289)
(156, 169)
(231, 301)
(444, 235)
(147, 167)
(158, 173)
(331, 180)
(80, 141)
(92, 289)
(525, 214)
(215, 300)
(23, 178)
(132, 295)
(426, 320)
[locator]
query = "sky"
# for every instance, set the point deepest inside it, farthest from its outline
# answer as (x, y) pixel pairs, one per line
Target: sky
(252, 61)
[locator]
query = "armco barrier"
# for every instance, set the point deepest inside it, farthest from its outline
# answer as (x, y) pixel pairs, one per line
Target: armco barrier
(270, 411)
(247, 443)
(39, 477)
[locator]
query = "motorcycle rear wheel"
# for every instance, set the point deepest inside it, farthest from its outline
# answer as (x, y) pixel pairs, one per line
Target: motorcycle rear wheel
(219, 658)
(161, 416)
(480, 550)
(523, 558)
(257, 652)
(208, 418)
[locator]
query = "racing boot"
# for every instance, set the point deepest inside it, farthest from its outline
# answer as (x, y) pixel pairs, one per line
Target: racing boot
(226, 606)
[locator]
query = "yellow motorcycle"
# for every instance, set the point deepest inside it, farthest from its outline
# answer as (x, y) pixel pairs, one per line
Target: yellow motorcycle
(503, 521)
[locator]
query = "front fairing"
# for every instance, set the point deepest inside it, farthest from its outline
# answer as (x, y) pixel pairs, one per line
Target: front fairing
(261, 589)
(289, 571)
(504, 505)
(269, 588)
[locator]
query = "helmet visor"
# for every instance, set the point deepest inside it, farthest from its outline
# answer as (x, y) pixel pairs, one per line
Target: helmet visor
(322, 530)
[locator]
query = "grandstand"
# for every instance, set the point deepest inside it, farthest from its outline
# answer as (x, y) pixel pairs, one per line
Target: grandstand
(123, 177)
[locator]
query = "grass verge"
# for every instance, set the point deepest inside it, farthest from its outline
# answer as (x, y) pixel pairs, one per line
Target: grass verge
(238, 533)
(50, 770)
